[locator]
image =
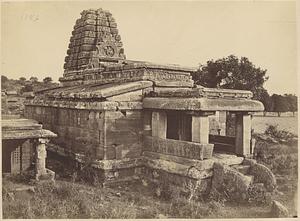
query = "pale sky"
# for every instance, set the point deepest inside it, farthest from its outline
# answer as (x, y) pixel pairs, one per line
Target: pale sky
(35, 35)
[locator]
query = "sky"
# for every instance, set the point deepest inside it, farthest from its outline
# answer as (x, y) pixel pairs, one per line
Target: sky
(35, 35)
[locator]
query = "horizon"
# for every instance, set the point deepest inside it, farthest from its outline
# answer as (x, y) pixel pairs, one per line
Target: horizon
(264, 32)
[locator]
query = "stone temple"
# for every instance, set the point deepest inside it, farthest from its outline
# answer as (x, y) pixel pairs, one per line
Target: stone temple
(137, 119)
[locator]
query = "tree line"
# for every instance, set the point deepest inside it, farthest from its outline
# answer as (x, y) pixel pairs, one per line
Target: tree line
(26, 85)
(234, 73)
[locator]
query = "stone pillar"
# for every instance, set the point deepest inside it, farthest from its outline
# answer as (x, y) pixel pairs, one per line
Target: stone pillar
(243, 134)
(147, 115)
(200, 129)
(159, 124)
(40, 158)
(222, 122)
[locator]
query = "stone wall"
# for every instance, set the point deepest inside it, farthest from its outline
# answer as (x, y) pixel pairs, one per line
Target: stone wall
(101, 134)
(79, 131)
(123, 138)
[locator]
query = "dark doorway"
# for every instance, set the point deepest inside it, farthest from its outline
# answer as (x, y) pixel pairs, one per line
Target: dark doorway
(179, 126)
(173, 125)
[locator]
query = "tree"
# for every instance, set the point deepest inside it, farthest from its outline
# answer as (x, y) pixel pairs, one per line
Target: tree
(4, 81)
(22, 80)
(292, 102)
(280, 104)
(267, 101)
(232, 73)
(33, 79)
(47, 80)
(27, 88)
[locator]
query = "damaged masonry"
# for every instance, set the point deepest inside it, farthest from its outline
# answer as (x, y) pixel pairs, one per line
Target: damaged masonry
(139, 120)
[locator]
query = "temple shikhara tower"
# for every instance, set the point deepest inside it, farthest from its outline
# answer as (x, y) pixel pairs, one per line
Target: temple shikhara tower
(139, 120)
(95, 36)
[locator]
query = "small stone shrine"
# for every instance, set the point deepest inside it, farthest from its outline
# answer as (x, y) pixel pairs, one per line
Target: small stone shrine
(138, 119)
(23, 144)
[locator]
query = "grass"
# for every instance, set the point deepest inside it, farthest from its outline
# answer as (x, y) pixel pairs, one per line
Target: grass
(72, 200)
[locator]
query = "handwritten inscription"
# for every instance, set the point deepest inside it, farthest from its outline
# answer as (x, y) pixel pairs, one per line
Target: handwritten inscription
(30, 17)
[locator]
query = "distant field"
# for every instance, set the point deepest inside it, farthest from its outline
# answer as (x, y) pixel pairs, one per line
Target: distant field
(259, 124)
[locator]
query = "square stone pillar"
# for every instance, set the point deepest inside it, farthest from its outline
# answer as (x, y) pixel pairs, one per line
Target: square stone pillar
(222, 122)
(159, 124)
(200, 129)
(243, 134)
(147, 116)
(40, 158)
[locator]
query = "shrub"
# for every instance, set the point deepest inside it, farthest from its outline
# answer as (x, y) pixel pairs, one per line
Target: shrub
(280, 135)
(280, 158)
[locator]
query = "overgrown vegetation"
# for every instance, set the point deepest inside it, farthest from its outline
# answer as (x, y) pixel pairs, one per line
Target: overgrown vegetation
(66, 199)
(281, 135)
(280, 154)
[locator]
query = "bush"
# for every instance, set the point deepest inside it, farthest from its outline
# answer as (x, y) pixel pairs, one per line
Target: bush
(282, 136)
(280, 158)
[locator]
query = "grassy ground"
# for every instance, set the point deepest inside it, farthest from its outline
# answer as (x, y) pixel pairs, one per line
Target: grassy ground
(72, 200)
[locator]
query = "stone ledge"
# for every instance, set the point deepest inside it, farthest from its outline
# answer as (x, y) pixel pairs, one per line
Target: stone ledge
(203, 104)
(27, 134)
(88, 105)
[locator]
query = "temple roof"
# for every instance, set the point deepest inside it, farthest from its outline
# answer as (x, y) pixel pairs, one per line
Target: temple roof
(96, 91)
(23, 129)
(202, 104)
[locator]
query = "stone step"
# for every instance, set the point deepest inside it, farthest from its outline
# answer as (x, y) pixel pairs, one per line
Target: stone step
(244, 169)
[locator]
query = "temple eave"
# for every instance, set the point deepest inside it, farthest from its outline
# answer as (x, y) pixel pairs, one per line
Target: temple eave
(203, 104)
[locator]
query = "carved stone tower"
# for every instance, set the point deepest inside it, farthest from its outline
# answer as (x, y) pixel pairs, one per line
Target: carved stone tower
(95, 39)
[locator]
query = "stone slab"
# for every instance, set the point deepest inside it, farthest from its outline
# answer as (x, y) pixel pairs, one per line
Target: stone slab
(203, 104)
(178, 148)
(19, 124)
(87, 105)
(175, 168)
(23, 129)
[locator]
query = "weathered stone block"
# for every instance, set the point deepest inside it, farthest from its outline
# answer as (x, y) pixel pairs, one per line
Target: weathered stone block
(263, 175)
(235, 184)
(178, 148)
